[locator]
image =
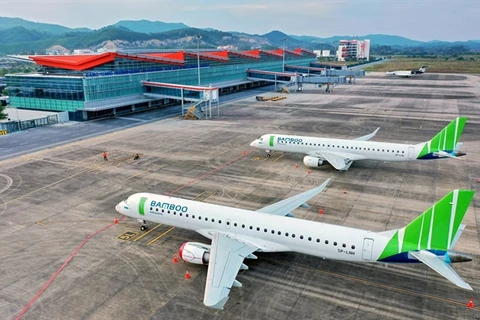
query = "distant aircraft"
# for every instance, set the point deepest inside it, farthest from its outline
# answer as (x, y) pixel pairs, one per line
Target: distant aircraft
(341, 153)
(236, 234)
(407, 73)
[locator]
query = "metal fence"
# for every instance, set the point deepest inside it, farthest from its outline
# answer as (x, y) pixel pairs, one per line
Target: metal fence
(13, 126)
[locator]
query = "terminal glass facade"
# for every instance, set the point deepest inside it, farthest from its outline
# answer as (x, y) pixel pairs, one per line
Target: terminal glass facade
(118, 83)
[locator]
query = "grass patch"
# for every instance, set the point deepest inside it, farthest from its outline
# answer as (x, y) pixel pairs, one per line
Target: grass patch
(435, 65)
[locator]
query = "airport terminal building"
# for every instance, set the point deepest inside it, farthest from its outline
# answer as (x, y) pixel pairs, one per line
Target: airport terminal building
(98, 85)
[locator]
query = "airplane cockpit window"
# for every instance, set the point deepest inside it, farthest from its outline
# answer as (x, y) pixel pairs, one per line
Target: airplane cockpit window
(126, 201)
(260, 139)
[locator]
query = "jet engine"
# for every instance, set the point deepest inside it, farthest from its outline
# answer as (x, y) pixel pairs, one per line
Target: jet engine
(195, 252)
(312, 161)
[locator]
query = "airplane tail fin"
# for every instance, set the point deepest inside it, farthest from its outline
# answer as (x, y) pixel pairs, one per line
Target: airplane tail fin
(435, 229)
(446, 141)
(423, 69)
(430, 237)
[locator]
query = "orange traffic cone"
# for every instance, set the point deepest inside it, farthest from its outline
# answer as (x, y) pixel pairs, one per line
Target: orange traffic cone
(296, 166)
(321, 211)
(308, 171)
(115, 221)
(187, 275)
(244, 152)
(344, 191)
(175, 260)
(470, 304)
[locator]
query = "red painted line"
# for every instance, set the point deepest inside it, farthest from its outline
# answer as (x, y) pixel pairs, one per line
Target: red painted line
(207, 174)
(73, 254)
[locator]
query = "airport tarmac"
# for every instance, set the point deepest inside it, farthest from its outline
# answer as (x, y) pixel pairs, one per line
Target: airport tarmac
(61, 201)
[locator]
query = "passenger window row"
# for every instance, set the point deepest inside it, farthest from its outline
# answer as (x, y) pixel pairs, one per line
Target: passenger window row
(250, 227)
(347, 147)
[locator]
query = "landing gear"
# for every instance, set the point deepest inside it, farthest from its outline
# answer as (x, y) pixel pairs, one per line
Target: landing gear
(144, 226)
(269, 153)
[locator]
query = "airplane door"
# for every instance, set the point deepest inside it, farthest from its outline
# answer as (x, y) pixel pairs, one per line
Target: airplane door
(228, 223)
(410, 152)
(367, 249)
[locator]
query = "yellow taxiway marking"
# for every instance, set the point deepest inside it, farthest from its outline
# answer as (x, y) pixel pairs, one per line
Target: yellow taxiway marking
(127, 235)
(160, 236)
(204, 195)
(279, 157)
(38, 222)
(144, 234)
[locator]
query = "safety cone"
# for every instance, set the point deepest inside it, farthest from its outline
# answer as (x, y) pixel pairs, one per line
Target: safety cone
(115, 221)
(187, 275)
(296, 166)
(470, 304)
(321, 211)
(175, 260)
(344, 191)
(244, 152)
(308, 171)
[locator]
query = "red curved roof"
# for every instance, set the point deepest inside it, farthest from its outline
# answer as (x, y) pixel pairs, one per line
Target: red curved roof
(74, 62)
(88, 61)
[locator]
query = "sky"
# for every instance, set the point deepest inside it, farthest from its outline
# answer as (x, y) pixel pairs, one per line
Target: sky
(454, 20)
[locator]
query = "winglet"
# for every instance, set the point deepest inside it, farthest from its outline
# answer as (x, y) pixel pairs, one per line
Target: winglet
(368, 136)
(286, 206)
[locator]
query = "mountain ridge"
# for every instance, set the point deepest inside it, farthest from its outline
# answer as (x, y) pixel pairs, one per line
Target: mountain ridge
(31, 37)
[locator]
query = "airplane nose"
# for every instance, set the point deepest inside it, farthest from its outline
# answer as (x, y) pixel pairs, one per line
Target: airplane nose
(252, 144)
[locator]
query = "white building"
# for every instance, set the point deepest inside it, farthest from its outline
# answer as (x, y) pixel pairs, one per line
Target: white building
(322, 53)
(353, 50)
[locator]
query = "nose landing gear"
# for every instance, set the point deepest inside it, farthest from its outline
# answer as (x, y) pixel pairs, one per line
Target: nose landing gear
(144, 226)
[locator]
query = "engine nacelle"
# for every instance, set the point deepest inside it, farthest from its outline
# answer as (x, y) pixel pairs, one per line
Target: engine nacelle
(312, 162)
(195, 252)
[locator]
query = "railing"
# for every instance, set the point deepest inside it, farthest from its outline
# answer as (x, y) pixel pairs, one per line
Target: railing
(12, 126)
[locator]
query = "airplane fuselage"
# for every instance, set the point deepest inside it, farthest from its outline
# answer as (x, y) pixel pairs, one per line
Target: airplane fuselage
(383, 151)
(270, 233)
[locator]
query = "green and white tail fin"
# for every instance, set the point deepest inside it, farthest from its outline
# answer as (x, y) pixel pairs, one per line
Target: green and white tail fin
(446, 141)
(435, 229)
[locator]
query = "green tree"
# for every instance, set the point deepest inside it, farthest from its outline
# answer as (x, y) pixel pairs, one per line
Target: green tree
(4, 92)
(3, 113)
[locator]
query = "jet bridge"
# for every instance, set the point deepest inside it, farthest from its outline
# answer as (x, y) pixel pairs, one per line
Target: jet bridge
(350, 74)
(202, 96)
(295, 79)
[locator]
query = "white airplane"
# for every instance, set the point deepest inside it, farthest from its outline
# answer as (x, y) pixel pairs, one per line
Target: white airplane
(341, 153)
(236, 234)
(409, 73)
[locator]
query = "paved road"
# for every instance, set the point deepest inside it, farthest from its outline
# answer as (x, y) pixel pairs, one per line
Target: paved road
(36, 139)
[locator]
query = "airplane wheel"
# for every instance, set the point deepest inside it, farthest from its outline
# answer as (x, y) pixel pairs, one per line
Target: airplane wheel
(269, 155)
(143, 228)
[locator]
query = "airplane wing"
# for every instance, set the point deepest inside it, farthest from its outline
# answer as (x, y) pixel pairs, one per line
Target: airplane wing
(440, 266)
(285, 207)
(226, 258)
(339, 160)
(368, 136)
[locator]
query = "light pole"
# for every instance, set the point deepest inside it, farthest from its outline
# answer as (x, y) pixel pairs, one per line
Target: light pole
(16, 109)
(283, 51)
(198, 57)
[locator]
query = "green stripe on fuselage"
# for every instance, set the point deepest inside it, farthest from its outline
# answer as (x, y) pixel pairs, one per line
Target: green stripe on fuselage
(271, 140)
(141, 206)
